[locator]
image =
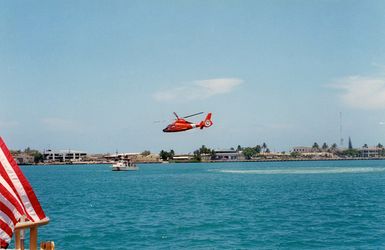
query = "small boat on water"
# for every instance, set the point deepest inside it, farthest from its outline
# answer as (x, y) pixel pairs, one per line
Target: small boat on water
(124, 165)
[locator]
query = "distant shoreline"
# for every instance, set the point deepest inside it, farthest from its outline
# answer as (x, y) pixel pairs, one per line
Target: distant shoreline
(287, 160)
(235, 161)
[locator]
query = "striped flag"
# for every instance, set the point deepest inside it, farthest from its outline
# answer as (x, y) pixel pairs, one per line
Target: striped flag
(17, 198)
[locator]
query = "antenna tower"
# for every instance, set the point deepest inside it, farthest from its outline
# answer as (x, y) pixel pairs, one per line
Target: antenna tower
(341, 139)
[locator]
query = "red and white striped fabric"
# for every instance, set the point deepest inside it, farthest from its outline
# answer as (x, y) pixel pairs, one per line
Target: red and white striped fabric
(17, 198)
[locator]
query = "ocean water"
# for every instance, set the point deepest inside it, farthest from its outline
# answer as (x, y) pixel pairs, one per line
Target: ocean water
(271, 205)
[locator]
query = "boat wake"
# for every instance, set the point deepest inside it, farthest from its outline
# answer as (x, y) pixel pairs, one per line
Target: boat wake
(303, 171)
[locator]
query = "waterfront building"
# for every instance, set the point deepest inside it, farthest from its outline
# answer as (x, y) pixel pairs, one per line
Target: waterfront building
(121, 156)
(227, 155)
(273, 155)
(64, 155)
(302, 150)
(147, 158)
(23, 158)
(206, 157)
(370, 152)
(183, 158)
(310, 152)
(136, 157)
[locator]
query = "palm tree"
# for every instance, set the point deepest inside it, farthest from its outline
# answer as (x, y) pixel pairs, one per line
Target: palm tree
(264, 146)
(315, 146)
(333, 147)
(325, 146)
(350, 144)
(163, 155)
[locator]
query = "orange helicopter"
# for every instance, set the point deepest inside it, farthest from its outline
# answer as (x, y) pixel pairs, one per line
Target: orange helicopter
(180, 124)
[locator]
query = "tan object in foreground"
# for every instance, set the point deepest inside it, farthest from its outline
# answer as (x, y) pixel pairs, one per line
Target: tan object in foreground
(32, 226)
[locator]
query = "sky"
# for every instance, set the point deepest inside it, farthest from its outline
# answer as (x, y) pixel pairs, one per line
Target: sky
(98, 76)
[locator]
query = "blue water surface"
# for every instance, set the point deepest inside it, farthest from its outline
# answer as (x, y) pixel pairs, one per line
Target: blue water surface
(270, 205)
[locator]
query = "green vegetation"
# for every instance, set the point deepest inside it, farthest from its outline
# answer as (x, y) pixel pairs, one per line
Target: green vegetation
(35, 154)
(350, 152)
(203, 151)
(165, 156)
(146, 153)
(249, 153)
(37, 157)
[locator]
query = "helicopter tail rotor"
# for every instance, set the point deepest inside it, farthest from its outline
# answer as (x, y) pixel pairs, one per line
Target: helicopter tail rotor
(207, 122)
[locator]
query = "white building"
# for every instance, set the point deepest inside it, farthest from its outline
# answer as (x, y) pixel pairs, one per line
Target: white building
(227, 155)
(370, 152)
(120, 156)
(64, 155)
(303, 150)
(183, 158)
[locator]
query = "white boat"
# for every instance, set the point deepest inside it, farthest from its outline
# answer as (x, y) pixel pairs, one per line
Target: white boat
(124, 166)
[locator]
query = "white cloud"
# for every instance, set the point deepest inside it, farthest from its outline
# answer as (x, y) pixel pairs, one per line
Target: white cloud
(362, 92)
(199, 89)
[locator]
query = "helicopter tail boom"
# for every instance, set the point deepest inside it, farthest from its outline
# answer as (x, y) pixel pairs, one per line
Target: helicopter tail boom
(206, 122)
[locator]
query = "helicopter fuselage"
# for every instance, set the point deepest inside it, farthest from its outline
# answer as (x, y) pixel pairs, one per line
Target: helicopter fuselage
(181, 124)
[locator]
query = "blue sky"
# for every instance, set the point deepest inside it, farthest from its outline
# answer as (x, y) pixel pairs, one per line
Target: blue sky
(95, 75)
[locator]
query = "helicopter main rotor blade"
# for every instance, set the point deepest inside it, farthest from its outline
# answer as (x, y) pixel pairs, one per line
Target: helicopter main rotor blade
(193, 115)
(160, 121)
(177, 117)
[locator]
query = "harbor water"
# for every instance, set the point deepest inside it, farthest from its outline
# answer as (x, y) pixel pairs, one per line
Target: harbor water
(263, 205)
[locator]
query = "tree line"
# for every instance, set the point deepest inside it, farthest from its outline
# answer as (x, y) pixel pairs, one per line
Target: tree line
(248, 152)
(37, 156)
(350, 151)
